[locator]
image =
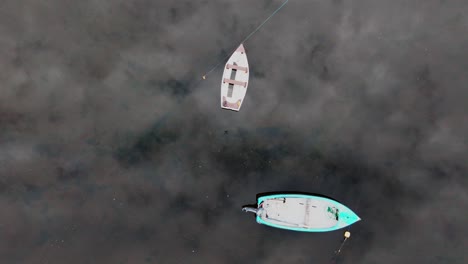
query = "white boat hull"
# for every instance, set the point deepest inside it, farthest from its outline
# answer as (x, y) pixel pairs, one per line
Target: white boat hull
(235, 80)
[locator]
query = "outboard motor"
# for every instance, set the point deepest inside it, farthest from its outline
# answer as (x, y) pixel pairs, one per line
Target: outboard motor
(250, 209)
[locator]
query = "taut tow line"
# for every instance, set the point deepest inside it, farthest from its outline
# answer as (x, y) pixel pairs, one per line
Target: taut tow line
(244, 40)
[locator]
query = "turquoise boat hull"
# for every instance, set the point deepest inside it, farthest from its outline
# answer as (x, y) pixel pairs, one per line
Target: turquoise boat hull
(302, 212)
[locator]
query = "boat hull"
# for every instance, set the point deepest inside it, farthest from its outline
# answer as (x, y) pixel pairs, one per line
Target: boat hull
(235, 80)
(305, 213)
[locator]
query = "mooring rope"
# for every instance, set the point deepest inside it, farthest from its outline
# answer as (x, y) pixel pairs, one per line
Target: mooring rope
(250, 35)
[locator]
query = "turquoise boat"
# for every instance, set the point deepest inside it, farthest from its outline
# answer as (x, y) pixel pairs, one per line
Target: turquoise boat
(302, 212)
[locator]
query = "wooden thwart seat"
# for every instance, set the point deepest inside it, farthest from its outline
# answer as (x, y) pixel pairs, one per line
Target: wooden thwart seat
(237, 67)
(226, 80)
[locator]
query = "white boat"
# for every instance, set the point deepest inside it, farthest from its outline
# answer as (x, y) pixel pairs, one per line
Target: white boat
(235, 80)
(300, 212)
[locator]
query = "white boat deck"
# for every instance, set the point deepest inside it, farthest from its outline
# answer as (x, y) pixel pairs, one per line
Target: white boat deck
(299, 212)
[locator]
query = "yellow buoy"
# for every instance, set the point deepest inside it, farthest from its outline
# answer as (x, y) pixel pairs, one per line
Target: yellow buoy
(347, 234)
(204, 77)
